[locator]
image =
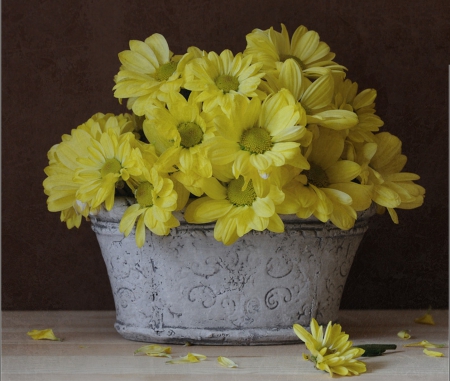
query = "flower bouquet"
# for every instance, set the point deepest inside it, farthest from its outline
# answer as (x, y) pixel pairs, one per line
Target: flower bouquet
(232, 139)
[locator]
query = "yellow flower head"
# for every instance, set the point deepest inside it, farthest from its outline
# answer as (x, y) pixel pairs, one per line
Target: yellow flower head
(257, 138)
(237, 210)
(327, 189)
(64, 162)
(149, 72)
(346, 97)
(219, 79)
(110, 159)
(305, 48)
(315, 96)
(331, 351)
(156, 199)
(393, 188)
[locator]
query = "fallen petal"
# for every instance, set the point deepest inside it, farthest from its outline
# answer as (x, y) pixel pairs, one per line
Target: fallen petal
(433, 353)
(154, 350)
(404, 335)
(43, 334)
(425, 344)
(226, 362)
(425, 319)
(190, 357)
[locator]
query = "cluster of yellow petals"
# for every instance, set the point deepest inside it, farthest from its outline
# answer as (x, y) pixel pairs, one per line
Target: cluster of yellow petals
(280, 117)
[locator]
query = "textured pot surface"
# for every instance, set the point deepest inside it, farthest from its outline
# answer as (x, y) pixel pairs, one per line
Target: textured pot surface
(187, 287)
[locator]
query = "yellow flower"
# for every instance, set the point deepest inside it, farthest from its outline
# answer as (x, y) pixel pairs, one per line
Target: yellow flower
(393, 188)
(181, 124)
(64, 158)
(331, 351)
(256, 139)
(110, 160)
(305, 47)
(346, 97)
(218, 79)
(156, 200)
(315, 97)
(237, 210)
(149, 72)
(327, 189)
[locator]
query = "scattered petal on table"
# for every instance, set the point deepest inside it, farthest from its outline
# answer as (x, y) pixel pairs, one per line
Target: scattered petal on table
(404, 334)
(43, 334)
(190, 357)
(433, 353)
(425, 319)
(226, 362)
(155, 350)
(305, 356)
(425, 344)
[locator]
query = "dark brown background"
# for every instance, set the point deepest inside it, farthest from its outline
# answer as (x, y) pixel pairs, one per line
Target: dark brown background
(59, 59)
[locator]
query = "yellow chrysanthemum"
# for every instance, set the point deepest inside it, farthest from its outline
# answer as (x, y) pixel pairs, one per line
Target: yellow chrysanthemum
(219, 79)
(258, 138)
(110, 159)
(156, 200)
(315, 97)
(346, 97)
(331, 351)
(237, 210)
(149, 72)
(393, 188)
(327, 189)
(270, 47)
(64, 162)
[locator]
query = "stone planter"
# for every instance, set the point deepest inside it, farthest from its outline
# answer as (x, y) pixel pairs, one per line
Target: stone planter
(187, 287)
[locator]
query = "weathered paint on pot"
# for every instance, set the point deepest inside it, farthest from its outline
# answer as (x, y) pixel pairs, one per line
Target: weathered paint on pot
(187, 287)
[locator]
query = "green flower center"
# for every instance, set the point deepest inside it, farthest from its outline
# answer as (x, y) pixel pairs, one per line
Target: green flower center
(110, 166)
(191, 134)
(227, 83)
(144, 194)
(239, 197)
(256, 140)
(284, 57)
(317, 176)
(164, 72)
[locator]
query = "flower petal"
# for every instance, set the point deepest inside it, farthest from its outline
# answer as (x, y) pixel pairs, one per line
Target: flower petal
(226, 362)
(43, 334)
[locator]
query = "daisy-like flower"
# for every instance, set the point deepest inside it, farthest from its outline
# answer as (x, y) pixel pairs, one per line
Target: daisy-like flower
(237, 210)
(219, 79)
(258, 138)
(327, 189)
(64, 162)
(269, 47)
(110, 159)
(156, 200)
(331, 351)
(393, 188)
(315, 96)
(149, 72)
(346, 97)
(182, 128)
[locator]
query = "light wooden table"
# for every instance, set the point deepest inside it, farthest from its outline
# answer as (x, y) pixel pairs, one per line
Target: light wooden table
(92, 350)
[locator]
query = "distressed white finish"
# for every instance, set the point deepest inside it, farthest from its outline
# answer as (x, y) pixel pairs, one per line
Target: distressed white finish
(187, 287)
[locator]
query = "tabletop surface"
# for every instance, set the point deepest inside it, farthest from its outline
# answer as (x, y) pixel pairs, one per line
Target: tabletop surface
(92, 350)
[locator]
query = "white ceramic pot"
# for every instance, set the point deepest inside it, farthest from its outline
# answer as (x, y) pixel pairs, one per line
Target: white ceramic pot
(187, 287)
